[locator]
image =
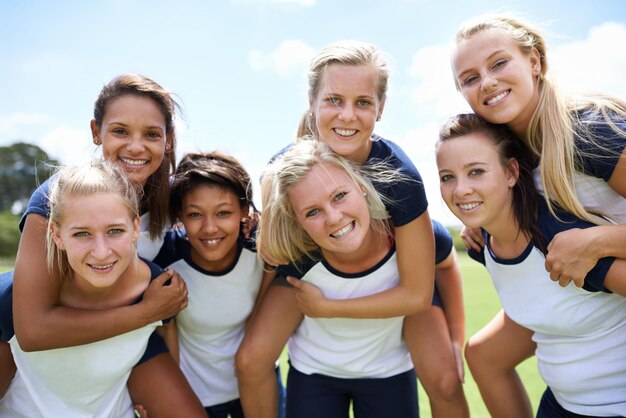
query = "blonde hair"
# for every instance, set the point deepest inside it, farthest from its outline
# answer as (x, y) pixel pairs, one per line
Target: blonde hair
(280, 234)
(99, 176)
(347, 52)
(555, 124)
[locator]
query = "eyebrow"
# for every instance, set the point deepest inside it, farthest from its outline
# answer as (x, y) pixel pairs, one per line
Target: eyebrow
(126, 125)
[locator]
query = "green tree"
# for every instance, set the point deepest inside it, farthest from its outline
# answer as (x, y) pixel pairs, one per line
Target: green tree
(23, 167)
(9, 234)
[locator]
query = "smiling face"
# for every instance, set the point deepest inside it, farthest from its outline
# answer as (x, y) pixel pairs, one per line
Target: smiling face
(474, 183)
(212, 218)
(133, 135)
(346, 108)
(498, 80)
(99, 248)
(331, 208)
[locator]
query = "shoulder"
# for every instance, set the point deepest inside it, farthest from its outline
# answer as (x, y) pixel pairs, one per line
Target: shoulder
(299, 269)
(443, 241)
(386, 150)
(39, 202)
(174, 247)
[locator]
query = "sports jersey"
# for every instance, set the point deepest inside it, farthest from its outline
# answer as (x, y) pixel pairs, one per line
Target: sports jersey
(83, 381)
(211, 328)
(580, 332)
(348, 347)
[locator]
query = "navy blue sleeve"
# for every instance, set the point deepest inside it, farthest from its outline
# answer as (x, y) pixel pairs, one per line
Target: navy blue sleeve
(156, 346)
(443, 241)
(6, 306)
(479, 255)
(38, 203)
(600, 146)
(550, 226)
(174, 248)
(408, 198)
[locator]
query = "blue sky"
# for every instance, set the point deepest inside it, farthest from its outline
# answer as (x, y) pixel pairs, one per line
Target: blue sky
(238, 67)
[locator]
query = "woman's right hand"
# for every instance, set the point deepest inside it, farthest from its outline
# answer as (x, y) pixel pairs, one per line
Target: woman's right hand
(165, 296)
(472, 238)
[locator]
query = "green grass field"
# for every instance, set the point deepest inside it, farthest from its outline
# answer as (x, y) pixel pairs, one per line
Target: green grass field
(481, 304)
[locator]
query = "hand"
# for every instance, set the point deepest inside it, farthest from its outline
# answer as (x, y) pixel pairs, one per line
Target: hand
(162, 300)
(249, 223)
(570, 256)
(140, 411)
(457, 351)
(309, 297)
(472, 238)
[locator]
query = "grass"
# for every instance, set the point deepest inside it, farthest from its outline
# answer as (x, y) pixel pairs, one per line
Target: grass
(481, 304)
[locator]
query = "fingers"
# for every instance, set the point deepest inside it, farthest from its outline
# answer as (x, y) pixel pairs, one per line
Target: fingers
(163, 277)
(298, 284)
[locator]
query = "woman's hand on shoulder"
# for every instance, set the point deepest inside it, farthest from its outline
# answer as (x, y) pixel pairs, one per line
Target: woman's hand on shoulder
(309, 297)
(571, 256)
(472, 238)
(165, 296)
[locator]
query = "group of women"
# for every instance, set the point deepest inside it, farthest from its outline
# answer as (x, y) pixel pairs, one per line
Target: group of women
(343, 265)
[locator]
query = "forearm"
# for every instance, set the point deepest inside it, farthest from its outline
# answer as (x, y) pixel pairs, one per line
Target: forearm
(450, 286)
(397, 301)
(608, 241)
(61, 326)
(615, 280)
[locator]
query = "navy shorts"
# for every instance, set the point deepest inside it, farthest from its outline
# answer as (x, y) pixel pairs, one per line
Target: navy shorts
(549, 407)
(436, 298)
(316, 395)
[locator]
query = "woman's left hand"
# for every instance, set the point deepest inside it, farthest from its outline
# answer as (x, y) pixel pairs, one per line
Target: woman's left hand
(309, 297)
(571, 256)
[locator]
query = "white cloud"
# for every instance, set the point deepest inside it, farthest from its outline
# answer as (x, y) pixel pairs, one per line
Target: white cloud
(291, 57)
(68, 145)
(597, 63)
(10, 123)
(435, 92)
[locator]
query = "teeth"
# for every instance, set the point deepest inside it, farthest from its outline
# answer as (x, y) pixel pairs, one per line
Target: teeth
(468, 206)
(212, 241)
(498, 97)
(134, 162)
(343, 231)
(345, 132)
(106, 266)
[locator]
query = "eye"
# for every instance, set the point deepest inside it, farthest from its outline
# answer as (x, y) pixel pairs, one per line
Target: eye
(469, 80)
(333, 100)
(193, 215)
(153, 135)
(80, 234)
(311, 213)
(445, 178)
(363, 102)
(116, 231)
(224, 213)
(499, 63)
(476, 172)
(119, 131)
(340, 196)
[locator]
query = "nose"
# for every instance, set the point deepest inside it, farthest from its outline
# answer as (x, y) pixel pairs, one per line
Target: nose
(347, 113)
(101, 248)
(333, 215)
(462, 187)
(488, 83)
(209, 225)
(135, 143)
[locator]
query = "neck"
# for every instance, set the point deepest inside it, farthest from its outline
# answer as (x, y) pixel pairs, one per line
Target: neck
(507, 240)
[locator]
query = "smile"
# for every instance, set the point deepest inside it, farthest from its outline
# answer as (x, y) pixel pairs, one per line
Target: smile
(343, 231)
(211, 241)
(499, 97)
(101, 267)
(134, 162)
(469, 206)
(345, 132)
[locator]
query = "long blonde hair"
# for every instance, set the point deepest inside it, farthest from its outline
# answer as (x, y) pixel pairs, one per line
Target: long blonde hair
(555, 125)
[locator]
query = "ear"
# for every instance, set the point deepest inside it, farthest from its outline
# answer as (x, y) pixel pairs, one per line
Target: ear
(95, 132)
(381, 107)
(136, 228)
(512, 172)
(56, 238)
(535, 62)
